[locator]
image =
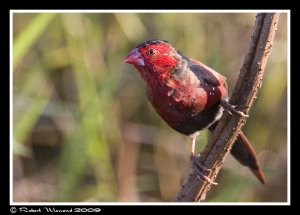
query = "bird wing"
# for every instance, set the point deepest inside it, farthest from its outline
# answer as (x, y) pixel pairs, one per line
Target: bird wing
(207, 74)
(193, 82)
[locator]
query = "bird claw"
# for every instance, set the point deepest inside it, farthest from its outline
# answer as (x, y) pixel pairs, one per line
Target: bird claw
(231, 108)
(198, 164)
(199, 169)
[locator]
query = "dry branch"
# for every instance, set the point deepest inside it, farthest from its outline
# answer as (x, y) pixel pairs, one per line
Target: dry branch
(247, 86)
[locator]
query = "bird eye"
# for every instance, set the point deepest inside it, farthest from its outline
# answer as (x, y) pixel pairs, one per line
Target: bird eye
(151, 52)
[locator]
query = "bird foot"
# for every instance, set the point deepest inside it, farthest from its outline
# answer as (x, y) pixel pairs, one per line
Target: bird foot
(231, 108)
(200, 170)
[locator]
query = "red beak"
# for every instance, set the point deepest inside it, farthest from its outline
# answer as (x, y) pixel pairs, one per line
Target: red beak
(135, 58)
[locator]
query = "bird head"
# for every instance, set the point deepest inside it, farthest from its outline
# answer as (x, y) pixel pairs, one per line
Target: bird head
(155, 58)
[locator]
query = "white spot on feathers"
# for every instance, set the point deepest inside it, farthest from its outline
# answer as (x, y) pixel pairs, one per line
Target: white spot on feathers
(170, 92)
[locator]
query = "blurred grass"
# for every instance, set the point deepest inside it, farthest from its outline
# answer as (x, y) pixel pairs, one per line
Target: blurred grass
(31, 33)
(111, 145)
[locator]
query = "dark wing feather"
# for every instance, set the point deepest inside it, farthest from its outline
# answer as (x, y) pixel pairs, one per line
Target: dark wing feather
(207, 74)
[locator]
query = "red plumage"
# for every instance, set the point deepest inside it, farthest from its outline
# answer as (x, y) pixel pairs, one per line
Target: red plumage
(186, 93)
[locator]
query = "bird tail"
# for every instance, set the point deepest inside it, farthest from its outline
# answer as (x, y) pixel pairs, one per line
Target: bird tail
(243, 151)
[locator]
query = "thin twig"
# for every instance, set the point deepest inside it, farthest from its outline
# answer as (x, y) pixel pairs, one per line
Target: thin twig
(247, 86)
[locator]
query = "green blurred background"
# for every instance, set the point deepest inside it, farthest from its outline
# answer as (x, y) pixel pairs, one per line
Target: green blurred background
(83, 129)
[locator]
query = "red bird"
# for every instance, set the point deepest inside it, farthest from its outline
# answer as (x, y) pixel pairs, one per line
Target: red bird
(188, 95)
